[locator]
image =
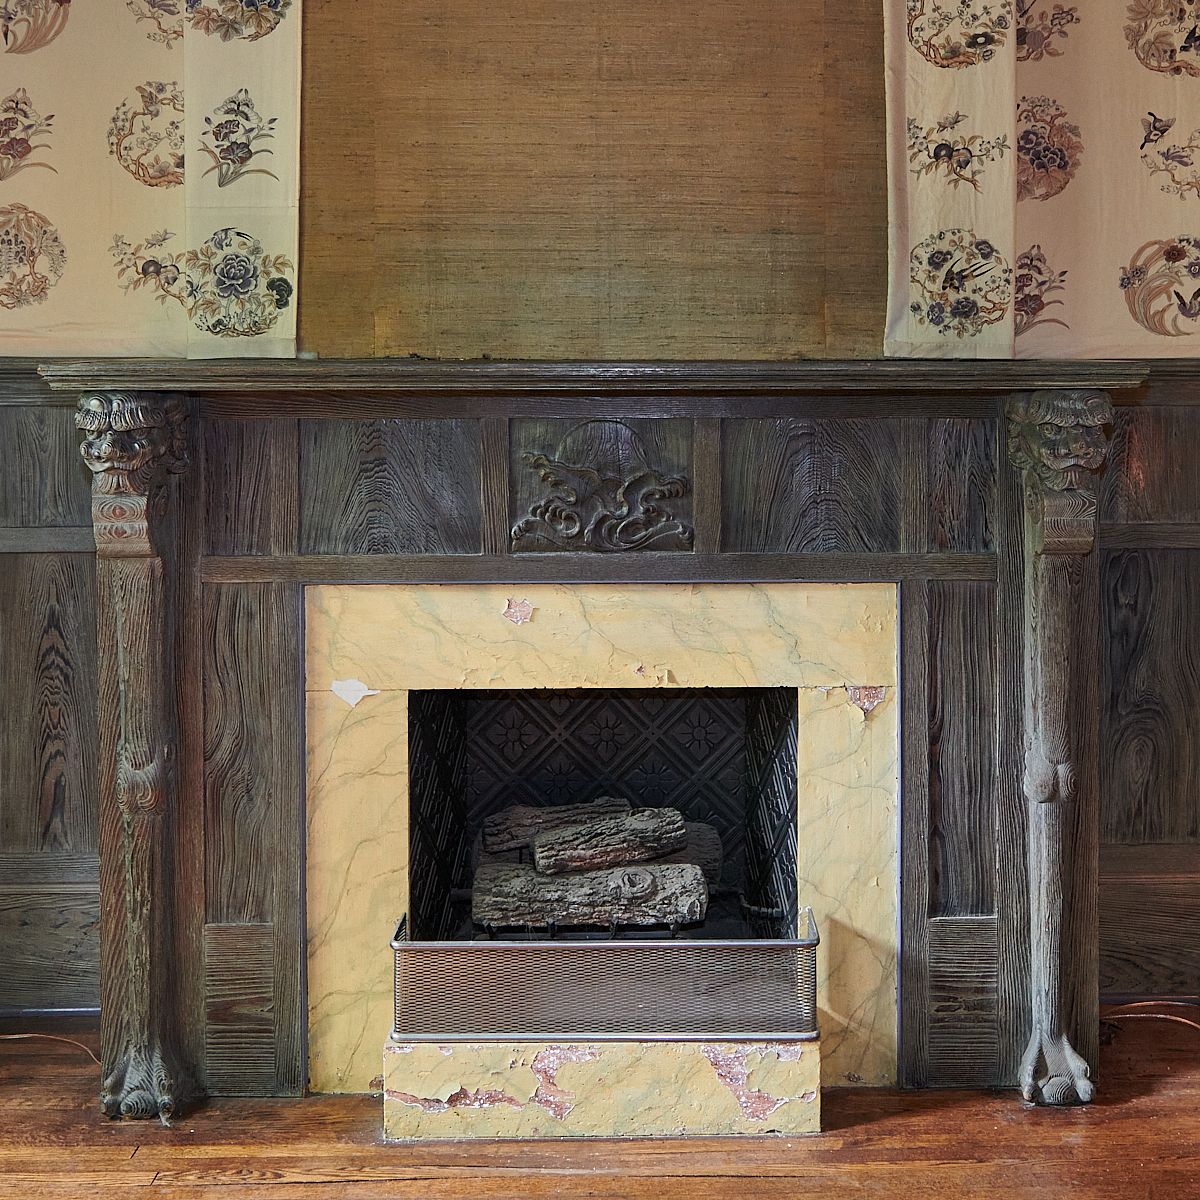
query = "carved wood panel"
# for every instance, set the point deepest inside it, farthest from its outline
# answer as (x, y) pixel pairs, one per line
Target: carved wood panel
(390, 487)
(801, 486)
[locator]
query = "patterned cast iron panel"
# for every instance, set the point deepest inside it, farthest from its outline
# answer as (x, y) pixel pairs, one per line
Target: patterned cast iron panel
(771, 732)
(683, 749)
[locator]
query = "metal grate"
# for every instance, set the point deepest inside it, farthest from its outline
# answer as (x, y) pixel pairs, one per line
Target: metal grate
(598, 990)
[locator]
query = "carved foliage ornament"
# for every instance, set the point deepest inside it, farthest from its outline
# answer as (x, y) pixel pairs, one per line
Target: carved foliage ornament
(601, 494)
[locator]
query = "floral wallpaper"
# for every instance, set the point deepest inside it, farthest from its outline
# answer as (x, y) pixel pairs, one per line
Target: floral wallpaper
(1065, 137)
(149, 177)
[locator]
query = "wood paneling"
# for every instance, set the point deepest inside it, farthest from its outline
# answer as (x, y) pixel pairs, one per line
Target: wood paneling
(963, 978)
(962, 800)
(665, 447)
(49, 943)
(1152, 470)
(44, 481)
(803, 487)
(1151, 727)
(604, 180)
(1150, 921)
(390, 487)
(962, 485)
(239, 1019)
(249, 486)
(48, 736)
(253, 673)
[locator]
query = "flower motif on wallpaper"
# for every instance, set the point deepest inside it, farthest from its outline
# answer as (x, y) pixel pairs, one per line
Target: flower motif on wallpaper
(248, 20)
(1034, 281)
(959, 283)
(229, 287)
(957, 35)
(956, 157)
(146, 134)
(1178, 158)
(1165, 35)
(28, 25)
(20, 127)
(1162, 285)
(231, 136)
(1040, 30)
(1049, 148)
(32, 256)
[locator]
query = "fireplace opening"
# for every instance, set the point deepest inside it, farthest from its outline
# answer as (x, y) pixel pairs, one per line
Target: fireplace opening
(602, 814)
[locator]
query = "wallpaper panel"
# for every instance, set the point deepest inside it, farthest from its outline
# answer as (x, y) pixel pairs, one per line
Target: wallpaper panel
(149, 177)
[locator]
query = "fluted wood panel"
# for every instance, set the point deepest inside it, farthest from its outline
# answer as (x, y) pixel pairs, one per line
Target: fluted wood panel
(962, 485)
(390, 487)
(599, 180)
(805, 486)
(963, 980)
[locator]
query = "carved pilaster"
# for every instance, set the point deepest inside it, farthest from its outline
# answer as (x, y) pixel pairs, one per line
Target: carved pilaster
(1058, 440)
(131, 443)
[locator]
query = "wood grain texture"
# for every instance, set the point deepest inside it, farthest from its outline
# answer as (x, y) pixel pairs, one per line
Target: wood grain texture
(1149, 934)
(802, 486)
(254, 799)
(1151, 678)
(962, 485)
(962, 769)
(1152, 475)
(963, 976)
(48, 671)
(50, 943)
(44, 482)
(239, 1020)
(390, 487)
(612, 179)
(245, 507)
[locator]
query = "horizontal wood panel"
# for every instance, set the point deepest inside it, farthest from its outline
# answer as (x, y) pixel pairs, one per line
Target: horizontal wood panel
(1150, 739)
(963, 983)
(390, 487)
(808, 487)
(239, 1017)
(49, 945)
(1151, 474)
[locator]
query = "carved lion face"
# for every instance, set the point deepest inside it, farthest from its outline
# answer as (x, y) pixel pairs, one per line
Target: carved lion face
(1059, 436)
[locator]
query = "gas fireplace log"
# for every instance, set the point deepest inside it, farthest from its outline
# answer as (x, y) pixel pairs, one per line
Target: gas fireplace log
(703, 848)
(508, 897)
(632, 837)
(516, 826)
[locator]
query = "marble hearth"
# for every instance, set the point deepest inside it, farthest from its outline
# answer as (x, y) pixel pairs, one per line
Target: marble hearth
(369, 646)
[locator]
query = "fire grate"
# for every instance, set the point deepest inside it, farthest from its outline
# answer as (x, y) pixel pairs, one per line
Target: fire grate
(736, 990)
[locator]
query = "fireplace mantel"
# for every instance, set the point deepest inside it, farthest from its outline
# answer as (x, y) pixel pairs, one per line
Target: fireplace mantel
(222, 488)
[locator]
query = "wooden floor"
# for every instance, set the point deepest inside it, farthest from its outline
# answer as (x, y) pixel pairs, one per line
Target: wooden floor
(1141, 1139)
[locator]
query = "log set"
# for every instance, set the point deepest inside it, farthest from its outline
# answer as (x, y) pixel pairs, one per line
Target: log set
(638, 836)
(516, 826)
(506, 896)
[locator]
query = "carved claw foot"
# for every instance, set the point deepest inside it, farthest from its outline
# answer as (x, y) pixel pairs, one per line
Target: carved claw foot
(146, 1084)
(1053, 1073)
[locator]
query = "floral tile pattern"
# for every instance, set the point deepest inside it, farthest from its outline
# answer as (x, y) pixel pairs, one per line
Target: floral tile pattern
(1049, 148)
(227, 20)
(1161, 285)
(1034, 283)
(145, 134)
(1042, 28)
(233, 138)
(32, 257)
(20, 128)
(957, 35)
(28, 25)
(960, 283)
(955, 157)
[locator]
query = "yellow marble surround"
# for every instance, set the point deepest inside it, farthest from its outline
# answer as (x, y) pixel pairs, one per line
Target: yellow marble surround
(367, 646)
(600, 1089)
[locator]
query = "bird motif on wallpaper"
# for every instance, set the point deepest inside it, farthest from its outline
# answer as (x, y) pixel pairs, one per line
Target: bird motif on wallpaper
(1189, 308)
(955, 278)
(1154, 128)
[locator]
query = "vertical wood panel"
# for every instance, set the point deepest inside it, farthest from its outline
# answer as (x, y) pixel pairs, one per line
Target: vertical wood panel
(390, 487)
(1151, 474)
(49, 943)
(962, 486)
(706, 471)
(810, 486)
(44, 482)
(1151, 725)
(962, 798)
(494, 484)
(249, 508)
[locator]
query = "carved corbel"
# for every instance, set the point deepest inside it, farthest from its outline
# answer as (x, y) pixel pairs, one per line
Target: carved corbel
(131, 444)
(1058, 440)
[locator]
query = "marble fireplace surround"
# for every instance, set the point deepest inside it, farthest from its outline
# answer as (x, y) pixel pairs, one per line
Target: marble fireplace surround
(368, 645)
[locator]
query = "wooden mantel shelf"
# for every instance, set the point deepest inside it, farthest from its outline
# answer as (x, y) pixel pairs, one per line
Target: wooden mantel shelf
(488, 377)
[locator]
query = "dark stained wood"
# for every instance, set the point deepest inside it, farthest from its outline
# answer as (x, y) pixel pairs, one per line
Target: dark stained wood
(1146, 535)
(643, 567)
(807, 487)
(245, 505)
(590, 379)
(239, 1023)
(706, 476)
(913, 484)
(1151, 727)
(877, 1143)
(963, 968)
(389, 487)
(253, 788)
(1153, 472)
(631, 448)
(962, 769)
(51, 539)
(48, 737)
(494, 484)
(962, 485)
(1149, 932)
(50, 942)
(44, 482)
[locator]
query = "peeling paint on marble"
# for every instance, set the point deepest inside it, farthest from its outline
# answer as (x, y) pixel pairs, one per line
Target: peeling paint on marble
(519, 612)
(352, 690)
(730, 1064)
(867, 698)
